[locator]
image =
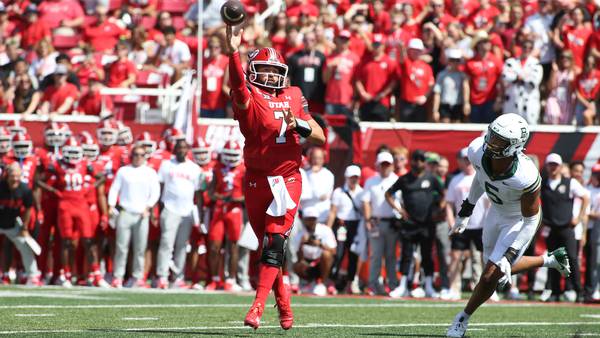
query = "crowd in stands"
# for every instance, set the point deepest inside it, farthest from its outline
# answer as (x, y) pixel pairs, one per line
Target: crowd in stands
(417, 60)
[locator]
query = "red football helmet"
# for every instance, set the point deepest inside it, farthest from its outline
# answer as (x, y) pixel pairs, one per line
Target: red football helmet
(5, 139)
(145, 140)
(55, 134)
(201, 151)
(171, 136)
(125, 136)
(22, 145)
(231, 154)
(72, 151)
(267, 57)
(107, 133)
(89, 146)
(15, 127)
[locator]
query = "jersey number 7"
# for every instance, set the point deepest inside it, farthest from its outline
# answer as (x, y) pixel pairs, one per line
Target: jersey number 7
(281, 138)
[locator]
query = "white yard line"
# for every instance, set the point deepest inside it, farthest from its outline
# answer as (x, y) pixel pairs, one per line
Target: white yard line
(34, 315)
(244, 305)
(306, 326)
(590, 315)
(139, 318)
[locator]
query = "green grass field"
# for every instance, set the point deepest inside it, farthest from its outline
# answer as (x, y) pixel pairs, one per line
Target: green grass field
(52, 312)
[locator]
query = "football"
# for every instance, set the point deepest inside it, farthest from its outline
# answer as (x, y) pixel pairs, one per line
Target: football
(233, 12)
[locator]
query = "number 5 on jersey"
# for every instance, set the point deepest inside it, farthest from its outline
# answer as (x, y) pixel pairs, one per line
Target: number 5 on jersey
(492, 191)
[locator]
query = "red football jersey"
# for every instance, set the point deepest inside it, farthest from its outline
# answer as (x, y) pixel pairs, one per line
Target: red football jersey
(28, 165)
(213, 75)
(110, 160)
(340, 88)
(577, 41)
(483, 75)
(70, 180)
(270, 148)
(229, 181)
(89, 183)
(416, 79)
(377, 74)
(588, 84)
(48, 159)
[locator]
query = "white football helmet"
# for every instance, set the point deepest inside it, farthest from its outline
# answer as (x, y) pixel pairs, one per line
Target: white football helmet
(512, 129)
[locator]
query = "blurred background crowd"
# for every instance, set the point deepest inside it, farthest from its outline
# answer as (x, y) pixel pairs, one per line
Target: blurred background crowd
(408, 60)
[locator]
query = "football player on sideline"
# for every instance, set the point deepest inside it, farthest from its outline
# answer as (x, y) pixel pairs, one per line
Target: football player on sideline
(512, 183)
(272, 118)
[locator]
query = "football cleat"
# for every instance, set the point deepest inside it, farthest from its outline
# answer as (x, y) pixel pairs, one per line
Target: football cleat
(163, 283)
(231, 285)
(117, 283)
(458, 327)
(319, 290)
(254, 314)
(34, 281)
(286, 316)
(561, 261)
(212, 286)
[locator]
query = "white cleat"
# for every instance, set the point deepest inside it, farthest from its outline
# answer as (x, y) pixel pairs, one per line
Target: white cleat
(545, 296)
(458, 327)
(197, 287)
(399, 292)
(319, 290)
(570, 296)
(431, 293)
(418, 293)
(246, 286)
(355, 287)
(495, 297)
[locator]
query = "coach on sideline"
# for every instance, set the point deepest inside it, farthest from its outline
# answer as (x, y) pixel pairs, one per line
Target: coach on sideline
(137, 188)
(181, 179)
(14, 196)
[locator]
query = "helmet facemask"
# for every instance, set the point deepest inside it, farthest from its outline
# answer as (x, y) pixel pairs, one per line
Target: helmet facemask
(22, 149)
(254, 75)
(201, 156)
(90, 151)
(496, 146)
(107, 136)
(54, 138)
(72, 154)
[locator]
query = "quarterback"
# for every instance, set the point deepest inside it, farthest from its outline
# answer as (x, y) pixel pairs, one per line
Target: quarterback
(272, 117)
(512, 183)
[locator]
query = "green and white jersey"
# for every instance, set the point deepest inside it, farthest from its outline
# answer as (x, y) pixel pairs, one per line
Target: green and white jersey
(504, 191)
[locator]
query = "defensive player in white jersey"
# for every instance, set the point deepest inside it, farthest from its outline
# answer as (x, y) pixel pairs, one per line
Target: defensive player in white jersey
(512, 183)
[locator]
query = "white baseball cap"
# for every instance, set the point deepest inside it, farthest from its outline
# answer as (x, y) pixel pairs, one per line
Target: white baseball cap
(554, 158)
(464, 152)
(310, 212)
(416, 44)
(352, 170)
(384, 157)
(454, 53)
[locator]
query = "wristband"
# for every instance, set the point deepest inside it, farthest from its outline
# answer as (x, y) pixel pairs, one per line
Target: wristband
(511, 255)
(466, 208)
(303, 128)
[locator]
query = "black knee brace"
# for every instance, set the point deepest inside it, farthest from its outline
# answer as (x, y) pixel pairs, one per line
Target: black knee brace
(273, 250)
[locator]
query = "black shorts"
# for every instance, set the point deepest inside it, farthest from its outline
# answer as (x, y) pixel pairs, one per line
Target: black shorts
(452, 112)
(462, 242)
(312, 271)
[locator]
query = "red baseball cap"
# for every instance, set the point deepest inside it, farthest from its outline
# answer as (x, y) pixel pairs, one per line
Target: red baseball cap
(596, 168)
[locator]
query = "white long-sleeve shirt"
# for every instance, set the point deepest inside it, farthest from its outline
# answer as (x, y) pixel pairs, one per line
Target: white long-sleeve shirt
(136, 187)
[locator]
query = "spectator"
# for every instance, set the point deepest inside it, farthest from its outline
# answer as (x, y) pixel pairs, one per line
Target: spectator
(72, 78)
(137, 189)
(215, 90)
(587, 87)
(104, 34)
(298, 8)
(174, 55)
(181, 179)
(574, 35)
(482, 19)
(15, 196)
(451, 91)
(458, 191)
(27, 98)
(400, 159)
(558, 193)
(382, 22)
(521, 78)
(64, 17)
(422, 192)
(60, 97)
(593, 230)
(483, 71)
(92, 102)
(211, 16)
(142, 48)
(438, 16)
(278, 33)
(321, 181)
(416, 82)
(344, 218)
(316, 254)
(87, 69)
(34, 30)
(538, 26)
(338, 73)
(45, 62)
(20, 69)
(560, 103)
(305, 69)
(379, 222)
(121, 73)
(142, 7)
(375, 81)
(163, 20)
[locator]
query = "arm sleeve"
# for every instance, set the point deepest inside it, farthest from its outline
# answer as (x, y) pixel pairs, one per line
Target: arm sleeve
(239, 91)
(113, 193)
(530, 226)
(395, 187)
(476, 191)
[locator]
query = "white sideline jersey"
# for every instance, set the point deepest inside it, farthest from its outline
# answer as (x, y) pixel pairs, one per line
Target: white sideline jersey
(504, 191)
